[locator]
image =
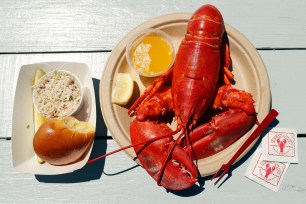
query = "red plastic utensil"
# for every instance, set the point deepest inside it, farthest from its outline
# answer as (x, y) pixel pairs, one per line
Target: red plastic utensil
(260, 128)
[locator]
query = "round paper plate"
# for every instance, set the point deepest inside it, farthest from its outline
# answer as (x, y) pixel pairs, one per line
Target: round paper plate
(248, 68)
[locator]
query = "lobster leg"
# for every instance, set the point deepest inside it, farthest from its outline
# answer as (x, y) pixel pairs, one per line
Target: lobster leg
(228, 76)
(152, 89)
(227, 96)
(158, 105)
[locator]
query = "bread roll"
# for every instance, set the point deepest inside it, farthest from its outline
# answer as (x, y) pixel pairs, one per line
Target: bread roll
(63, 140)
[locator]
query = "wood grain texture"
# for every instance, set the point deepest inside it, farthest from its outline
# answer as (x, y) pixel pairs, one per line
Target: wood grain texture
(55, 25)
(55, 30)
(287, 86)
(284, 69)
(119, 180)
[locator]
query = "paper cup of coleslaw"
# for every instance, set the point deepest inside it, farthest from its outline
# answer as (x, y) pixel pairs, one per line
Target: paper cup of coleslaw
(58, 93)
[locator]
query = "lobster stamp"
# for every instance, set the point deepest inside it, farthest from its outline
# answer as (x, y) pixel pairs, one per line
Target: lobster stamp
(280, 145)
(267, 173)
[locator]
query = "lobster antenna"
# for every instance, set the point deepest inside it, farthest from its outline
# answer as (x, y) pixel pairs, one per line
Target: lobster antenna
(129, 146)
(159, 178)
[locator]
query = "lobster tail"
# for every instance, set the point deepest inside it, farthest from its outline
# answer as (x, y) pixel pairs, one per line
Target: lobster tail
(206, 26)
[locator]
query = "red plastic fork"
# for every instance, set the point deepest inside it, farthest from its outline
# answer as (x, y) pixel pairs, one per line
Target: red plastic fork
(260, 128)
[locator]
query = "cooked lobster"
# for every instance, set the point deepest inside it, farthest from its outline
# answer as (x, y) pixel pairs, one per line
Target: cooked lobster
(196, 88)
(197, 91)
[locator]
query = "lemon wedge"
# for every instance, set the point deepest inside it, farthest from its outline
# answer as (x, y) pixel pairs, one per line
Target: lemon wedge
(123, 89)
(38, 119)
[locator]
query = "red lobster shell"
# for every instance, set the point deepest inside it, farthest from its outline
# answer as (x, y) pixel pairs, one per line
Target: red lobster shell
(201, 63)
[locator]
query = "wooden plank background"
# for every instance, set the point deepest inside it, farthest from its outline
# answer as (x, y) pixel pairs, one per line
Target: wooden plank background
(119, 180)
(48, 26)
(87, 31)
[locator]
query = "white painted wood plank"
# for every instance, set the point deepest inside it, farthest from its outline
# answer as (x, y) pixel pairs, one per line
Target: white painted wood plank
(285, 70)
(118, 180)
(99, 25)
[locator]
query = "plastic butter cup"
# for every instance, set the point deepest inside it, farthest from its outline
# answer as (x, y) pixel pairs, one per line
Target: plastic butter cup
(150, 47)
(74, 109)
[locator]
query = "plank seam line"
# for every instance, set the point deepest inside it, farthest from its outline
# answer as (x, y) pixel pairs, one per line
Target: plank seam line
(54, 52)
(102, 51)
(281, 48)
(110, 137)
(96, 138)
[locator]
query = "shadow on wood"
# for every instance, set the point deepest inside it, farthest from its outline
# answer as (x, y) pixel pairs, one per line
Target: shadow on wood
(101, 129)
(88, 172)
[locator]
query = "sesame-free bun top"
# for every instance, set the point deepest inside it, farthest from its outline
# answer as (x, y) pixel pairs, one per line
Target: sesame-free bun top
(63, 140)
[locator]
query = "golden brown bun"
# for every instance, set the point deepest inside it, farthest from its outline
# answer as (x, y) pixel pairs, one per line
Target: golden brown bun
(63, 140)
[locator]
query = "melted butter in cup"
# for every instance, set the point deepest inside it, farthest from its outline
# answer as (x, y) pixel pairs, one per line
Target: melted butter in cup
(151, 53)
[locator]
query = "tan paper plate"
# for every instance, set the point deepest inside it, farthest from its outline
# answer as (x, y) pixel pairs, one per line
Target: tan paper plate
(248, 67)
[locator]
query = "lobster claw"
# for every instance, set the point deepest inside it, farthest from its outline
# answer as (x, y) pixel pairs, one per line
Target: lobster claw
(223, 130)
(179, 172)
